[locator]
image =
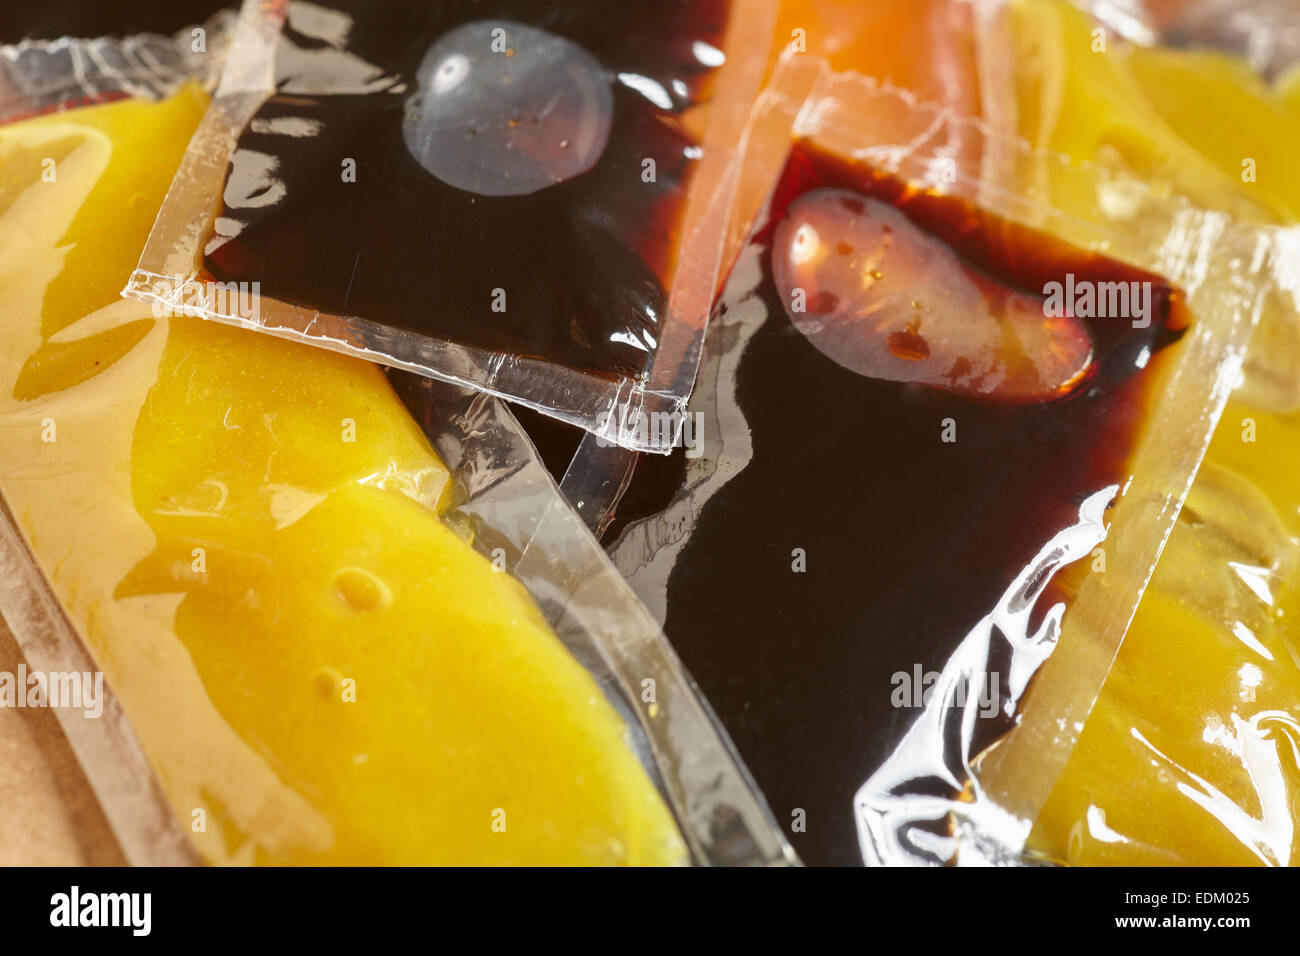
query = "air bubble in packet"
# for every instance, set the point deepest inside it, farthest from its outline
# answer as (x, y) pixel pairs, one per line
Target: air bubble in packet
(526, 198)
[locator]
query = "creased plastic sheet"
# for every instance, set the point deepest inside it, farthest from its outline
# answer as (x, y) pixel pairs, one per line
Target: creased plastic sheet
(1263, 33)
(38, 75)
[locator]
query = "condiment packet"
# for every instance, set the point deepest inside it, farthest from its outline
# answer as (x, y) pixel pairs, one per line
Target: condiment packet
(529, 203)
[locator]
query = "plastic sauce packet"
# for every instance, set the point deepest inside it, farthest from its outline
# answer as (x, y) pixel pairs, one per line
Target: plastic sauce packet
(932, 480)
(255, 548)
(1188, 756)
(926, 46)
(37, 75)
(401, 183)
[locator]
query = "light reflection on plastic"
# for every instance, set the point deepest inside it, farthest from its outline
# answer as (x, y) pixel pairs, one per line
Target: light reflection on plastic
(877, 295)
(1270, 836)
(508, 121)
(895, 809)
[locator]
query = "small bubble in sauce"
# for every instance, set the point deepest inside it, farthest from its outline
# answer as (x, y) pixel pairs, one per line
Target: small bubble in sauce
(535, 114)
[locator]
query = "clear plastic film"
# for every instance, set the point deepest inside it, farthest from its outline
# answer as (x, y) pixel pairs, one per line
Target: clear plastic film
(401, 183)
(1263, 34)
(1189, 756)
(320, 640)
(40, 75)
(971, 550)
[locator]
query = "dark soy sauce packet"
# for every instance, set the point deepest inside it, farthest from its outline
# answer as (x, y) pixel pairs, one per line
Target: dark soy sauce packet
(525, 197)
(869, 568)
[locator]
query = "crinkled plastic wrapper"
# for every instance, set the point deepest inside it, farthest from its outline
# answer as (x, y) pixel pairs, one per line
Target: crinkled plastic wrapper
(531, 205)
(902, 576)
(239, 532)
(40, 75)
(1264, 33)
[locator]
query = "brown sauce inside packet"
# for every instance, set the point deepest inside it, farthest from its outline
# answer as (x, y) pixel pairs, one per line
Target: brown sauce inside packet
(883, 511)
(509, 175)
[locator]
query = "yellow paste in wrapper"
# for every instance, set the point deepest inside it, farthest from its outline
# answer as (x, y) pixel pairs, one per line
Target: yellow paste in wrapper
(246, 532)
(1197, 120)
(1192, 752)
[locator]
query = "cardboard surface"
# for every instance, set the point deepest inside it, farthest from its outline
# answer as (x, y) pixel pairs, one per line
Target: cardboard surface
(48, 814)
